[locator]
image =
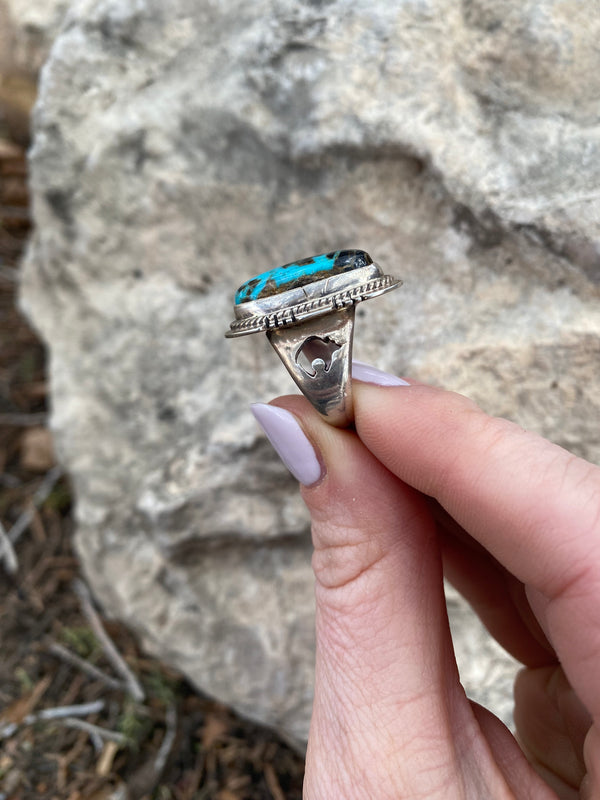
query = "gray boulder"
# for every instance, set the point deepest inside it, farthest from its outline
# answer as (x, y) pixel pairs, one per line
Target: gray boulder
(181, 148)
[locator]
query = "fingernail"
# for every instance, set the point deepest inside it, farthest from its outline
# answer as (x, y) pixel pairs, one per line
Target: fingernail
(368, 374)
(290, 442)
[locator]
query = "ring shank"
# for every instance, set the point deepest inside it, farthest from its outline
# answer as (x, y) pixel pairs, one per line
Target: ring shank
(326, 382)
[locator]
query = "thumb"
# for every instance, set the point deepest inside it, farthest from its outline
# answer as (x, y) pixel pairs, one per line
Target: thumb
(387, 694)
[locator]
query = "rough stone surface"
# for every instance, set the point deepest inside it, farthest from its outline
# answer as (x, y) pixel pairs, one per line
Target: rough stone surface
(181, 149)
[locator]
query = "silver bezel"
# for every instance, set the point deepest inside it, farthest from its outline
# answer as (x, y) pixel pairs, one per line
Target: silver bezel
(315, 299)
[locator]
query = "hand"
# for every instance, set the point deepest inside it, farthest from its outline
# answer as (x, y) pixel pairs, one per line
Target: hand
(429, 484)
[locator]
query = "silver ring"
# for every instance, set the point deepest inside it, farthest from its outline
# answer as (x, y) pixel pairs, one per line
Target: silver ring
(307, 310)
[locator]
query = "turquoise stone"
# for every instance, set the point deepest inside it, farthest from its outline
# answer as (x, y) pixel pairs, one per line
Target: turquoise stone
(300, 273)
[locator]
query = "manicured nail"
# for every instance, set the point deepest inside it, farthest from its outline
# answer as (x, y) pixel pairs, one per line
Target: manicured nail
(290, 442)
(368, 374)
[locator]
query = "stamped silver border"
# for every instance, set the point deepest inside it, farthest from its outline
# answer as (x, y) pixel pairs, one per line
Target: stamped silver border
(292, 307)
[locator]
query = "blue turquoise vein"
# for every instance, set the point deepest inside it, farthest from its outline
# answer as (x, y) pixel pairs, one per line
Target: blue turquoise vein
(300, 273)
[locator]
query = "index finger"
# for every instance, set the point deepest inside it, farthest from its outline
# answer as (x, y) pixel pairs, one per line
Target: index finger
(534, 506)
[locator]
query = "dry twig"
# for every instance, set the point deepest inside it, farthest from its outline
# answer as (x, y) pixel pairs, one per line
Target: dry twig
(7, 552)
(272, 782)
(167, 742)
(41, 495)
(59, 712)
(132, 684)
(107, 757)
(145, 779)
(96, 732)
(85, 666)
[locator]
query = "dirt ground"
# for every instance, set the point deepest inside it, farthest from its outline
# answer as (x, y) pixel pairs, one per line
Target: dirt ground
(80, 718)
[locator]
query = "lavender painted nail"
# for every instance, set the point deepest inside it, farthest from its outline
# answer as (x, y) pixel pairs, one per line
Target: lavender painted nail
(290, 442)
(368, 374)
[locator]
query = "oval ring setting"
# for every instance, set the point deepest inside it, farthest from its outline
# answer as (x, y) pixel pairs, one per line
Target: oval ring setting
(307, 310)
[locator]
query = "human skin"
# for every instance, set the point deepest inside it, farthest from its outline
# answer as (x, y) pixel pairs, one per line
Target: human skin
(428, 485)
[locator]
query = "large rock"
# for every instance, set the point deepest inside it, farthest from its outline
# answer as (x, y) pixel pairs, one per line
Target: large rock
(181, 148)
